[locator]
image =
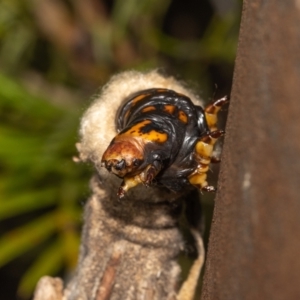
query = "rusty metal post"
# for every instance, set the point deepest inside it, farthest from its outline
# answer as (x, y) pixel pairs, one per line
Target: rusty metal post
(254, 247)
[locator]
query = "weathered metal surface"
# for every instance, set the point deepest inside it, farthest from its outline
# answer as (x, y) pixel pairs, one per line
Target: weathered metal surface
(254, 248)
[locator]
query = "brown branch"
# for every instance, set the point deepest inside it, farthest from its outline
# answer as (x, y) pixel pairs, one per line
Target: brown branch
(109, 275)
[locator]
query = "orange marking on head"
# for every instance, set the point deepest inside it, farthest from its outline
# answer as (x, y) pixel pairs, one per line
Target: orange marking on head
(169, 109)
(182, 116)
(149, 108)
(151, 136)
(161, 90)
(139, 98)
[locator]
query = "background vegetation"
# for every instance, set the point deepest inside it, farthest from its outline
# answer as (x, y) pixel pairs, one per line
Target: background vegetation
(54, 54)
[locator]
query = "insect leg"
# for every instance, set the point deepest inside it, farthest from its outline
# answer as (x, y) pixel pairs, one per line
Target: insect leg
(211, 112)
(203, 155)
(127, 184)
(145, 177)
(151, 171)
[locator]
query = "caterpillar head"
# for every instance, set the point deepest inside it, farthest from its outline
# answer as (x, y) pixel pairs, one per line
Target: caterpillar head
(123, 157)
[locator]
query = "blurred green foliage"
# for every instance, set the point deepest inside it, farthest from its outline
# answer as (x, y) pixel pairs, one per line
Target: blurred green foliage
(53, 56)
(38, 175)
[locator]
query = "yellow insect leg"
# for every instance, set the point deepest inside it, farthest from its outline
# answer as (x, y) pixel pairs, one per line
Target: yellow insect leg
(211, 112)
(127, 184)
(203, 155)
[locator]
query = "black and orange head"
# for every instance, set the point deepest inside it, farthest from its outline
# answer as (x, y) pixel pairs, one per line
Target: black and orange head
(122, 157)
